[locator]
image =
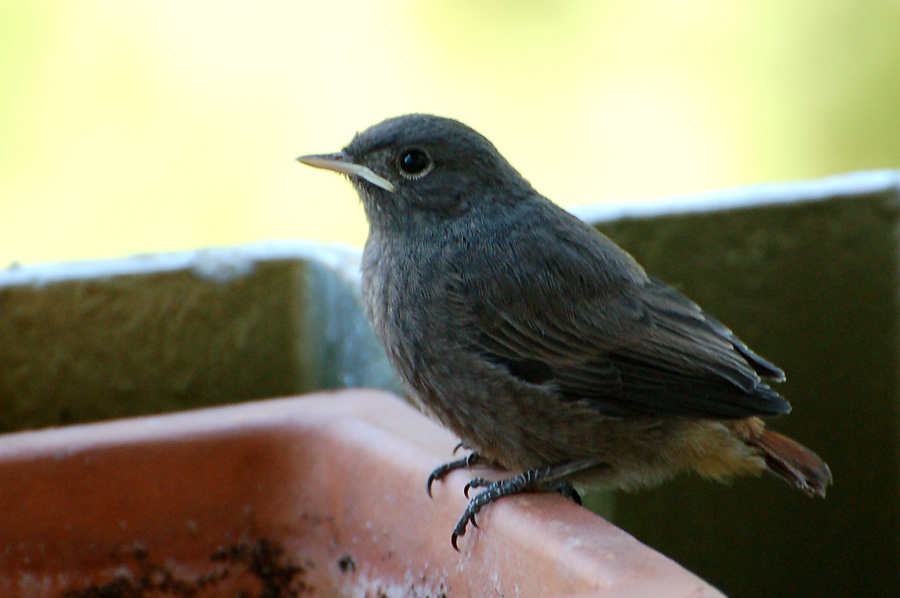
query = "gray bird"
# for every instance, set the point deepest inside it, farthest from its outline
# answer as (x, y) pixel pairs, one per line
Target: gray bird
(537, 340)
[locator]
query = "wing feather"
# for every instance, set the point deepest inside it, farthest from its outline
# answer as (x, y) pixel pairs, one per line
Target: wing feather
(628, 344)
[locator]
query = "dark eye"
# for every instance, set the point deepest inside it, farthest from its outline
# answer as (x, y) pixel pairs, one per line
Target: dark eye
(414, 164)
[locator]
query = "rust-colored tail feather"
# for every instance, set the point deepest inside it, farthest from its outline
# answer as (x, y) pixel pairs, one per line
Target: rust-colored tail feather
(793, 462)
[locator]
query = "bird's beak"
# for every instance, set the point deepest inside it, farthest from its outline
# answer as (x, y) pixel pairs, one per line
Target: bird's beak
(341, 162)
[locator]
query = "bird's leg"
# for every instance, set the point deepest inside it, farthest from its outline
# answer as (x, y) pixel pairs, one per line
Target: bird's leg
(468, 462)
(566, 489)
(546, 479)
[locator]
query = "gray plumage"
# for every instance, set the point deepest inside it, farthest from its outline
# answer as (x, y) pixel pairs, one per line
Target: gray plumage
(534, 337)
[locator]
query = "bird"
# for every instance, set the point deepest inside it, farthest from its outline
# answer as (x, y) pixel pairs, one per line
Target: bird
(545, 347)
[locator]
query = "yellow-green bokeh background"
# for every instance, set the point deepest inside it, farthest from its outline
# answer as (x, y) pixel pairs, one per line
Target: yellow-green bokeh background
(143, 126)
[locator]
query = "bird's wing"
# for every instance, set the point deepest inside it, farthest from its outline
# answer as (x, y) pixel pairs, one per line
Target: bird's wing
(632, 346)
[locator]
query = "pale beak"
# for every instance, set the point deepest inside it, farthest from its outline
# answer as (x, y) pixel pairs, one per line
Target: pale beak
(340, 162)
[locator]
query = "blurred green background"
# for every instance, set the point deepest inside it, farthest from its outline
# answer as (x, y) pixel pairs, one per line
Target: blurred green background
(147, 126)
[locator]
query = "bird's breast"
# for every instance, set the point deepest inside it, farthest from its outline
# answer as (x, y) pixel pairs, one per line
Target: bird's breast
(409, 307)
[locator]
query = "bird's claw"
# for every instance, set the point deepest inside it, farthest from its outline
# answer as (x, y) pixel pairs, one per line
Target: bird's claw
(460, 446)
(467, 517)
(475, 483)
(440, 472)
(431, 479)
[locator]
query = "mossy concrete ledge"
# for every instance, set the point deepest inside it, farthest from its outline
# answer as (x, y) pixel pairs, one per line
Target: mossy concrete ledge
(158, 333)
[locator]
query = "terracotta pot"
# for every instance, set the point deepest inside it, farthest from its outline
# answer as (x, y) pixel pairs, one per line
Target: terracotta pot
(323, 495)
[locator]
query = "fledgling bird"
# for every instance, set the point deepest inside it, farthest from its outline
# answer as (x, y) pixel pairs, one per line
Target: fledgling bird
(537, 340)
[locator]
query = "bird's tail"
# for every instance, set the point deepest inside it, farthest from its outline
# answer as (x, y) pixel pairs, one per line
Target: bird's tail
(793, 462)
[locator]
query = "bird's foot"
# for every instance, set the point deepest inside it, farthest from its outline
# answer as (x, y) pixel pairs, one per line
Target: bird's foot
(547, 479)
(493, 491)
(566, 489)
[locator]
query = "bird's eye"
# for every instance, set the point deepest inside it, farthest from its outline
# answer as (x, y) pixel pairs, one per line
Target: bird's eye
(414, 164)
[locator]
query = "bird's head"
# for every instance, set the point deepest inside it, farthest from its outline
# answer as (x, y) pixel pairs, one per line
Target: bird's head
(419, 169)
